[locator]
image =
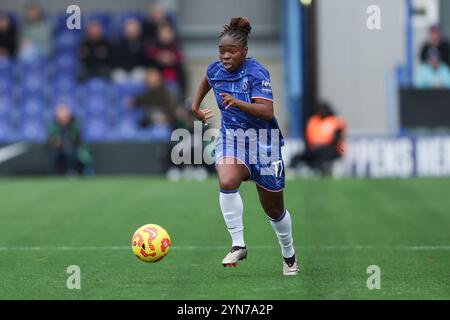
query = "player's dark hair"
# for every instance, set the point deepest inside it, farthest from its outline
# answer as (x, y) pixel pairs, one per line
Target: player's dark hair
(323, 109)
(239, 29)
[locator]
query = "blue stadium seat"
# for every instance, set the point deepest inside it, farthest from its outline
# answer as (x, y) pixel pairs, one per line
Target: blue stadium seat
(127, 130)
(6, 68)
(96, 105)
(157, 132)
(7, 132)
(80, 116)
(65, 64)
(130, 88)
(6, 86)
(64, 84)
(33, 108)
(47, 116)
(69, 98)
(67, 42)
(6, 106)
(15, 117)
(66, 98)
(133, 115)
(33, 84)
(65, 87)
(95, 130)
(34, 131)
(35, 66)
(97, 86)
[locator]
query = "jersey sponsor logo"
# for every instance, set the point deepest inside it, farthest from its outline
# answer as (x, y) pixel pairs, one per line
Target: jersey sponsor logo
(266, 86)
(244, 86)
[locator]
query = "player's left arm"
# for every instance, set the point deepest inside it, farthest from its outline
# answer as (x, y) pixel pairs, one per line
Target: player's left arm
(261, 108)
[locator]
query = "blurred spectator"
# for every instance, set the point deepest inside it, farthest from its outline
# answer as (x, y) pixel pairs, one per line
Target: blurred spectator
(156, 16)
(95, 52)
(185, 117)
(93, 56)
(156, 101)
(35, 34)
(433, 74)
(436, 41)
(129, 54)
(68, 153)
(324, 140)
(8, 36)
(166, 52)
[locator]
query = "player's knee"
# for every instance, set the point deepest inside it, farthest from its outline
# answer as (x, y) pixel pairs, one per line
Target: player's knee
(274, 212)
(229, 183)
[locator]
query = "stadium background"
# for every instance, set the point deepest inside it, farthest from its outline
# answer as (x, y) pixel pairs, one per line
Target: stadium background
(315, 50)
(386, 59)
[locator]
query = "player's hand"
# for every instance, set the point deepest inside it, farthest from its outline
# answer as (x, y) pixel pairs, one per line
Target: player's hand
(203, 115)
(228, 100)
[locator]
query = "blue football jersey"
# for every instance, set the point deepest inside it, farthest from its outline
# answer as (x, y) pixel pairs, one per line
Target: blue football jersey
(250, 82)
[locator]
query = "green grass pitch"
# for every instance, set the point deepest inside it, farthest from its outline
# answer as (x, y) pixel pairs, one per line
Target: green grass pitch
(340, 228)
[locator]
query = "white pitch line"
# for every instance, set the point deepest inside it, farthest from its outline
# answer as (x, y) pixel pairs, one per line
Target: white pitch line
(257, 247)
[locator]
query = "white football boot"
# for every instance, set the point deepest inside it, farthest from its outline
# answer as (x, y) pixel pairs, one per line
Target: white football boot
(235, 255)
(291, 269)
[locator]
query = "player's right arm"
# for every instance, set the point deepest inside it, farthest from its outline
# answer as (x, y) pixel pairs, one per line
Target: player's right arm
(204, 114)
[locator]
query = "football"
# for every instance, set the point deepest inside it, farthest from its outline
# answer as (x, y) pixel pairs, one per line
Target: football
(150, 243)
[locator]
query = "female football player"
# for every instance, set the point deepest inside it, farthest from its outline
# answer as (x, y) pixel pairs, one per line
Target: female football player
(244, 96)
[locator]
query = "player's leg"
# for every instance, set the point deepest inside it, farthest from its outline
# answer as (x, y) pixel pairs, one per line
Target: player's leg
(231, 173)
(280, 219)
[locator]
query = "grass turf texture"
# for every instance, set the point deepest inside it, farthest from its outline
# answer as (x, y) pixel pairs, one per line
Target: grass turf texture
(340, 228)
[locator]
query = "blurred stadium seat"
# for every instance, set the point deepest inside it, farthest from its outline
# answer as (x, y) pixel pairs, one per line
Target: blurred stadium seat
(96, 105)
(33, 108)
(96, 86)
(6, 85)
(155, 132)
(6, 105)
(34, 131)
(6, 68)
(67, 42)
(65, 63)
(33, 84)
(127, 130)
(96, 130)
(7, 133)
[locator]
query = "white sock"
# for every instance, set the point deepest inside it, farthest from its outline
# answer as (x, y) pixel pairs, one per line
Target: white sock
(232, 210)
(283, 230)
